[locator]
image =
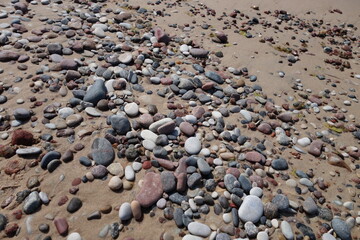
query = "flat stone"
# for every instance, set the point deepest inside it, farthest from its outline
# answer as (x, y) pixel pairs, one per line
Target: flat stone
(199, 53)
(61, 226)
(96, 92)
(254, 157)
(279, 164)
(214, 77)
(28, 151)
(74, 205)
(251, 209)
(199, 229)
(286, 230)
(120, 124)
(74, 236)
(310, 206)
(281, 201)
(151, 190)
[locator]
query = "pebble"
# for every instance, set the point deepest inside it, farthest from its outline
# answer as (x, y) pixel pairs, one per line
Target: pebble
(192, 145)
(102, 151)
(199, 229)
(125, 212)
(251, 209)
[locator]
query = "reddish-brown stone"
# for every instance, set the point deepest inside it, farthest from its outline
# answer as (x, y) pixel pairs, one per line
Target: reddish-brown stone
(151, 190)
(63, 200)
(14, 166)
(22, 137)
(11, 229)
(254, 157)
(7, 151)
(61, 226)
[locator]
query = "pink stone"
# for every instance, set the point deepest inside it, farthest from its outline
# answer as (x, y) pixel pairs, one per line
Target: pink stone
(254, 157)
(166, 81)
(181, 183)
(233, 171)
(168, 165)
(285, 117)
(264, 128)
(61, 226)
(187, 129)
(315, 148)
(161, 36)
(151, 190)
(198, 112)
(146, 120)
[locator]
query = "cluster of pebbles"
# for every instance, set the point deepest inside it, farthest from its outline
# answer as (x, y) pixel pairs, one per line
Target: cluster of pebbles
(178, 142)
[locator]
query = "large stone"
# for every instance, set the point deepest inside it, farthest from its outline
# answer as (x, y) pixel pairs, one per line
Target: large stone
(102, 151)
(22, 137)
(192, 145)
(161, 36)
(7, 56)
(251, 209)
(32, 203)
(341, 229)
(199, 53)
(48, 158)
(254, 157)
(214, 77)
(151, 190)
(96, 92)
(120, 124)
(315, 148)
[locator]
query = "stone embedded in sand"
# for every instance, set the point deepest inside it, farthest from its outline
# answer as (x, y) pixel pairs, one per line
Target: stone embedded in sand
(21, 114)
(254, 157)
(74, 205)
(161, 36)
(187, 129)
(214, 77)
(341, 229)
(102, 151)
(96, 92)
(7, 151)
(220, 37)
(315, 148)
(285, 117)
(199, 53)
(68, 64)
(151, 190)
(61, 226)
(55, 48)
(3, 222)
(125, 212)
(264, 128)
(7, 56)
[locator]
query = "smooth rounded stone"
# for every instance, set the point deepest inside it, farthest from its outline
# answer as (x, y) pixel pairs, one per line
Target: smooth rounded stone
(341, 229)
(161, 203)
(310, 206)
(129, 173)
(250, 229)
(136, 210)
(155, 126)
(279, 164)
(28, 151)
(222, 236)
(120, 124)
(48, 158)
(254, 157)
(149, 145)
(3, 99)
(74, 236)
(53, 165)
(62, 226)
(99, 171)
(125, 58)
(102, 151)
(168, 181)
(32, 203)
(304, 141)
(227, 217)
(65, 112)
(131, 109)
(199, 229)
(151, 191)
(327, 236)
(281, 201)
(306, 182)
(187, 129)
(149, 135)
(137, 166)
(251, 209)
(262, 236)
(229, 181)
(191, 237)
(116, 169)
(192, 145)
(246, 114)
(104, 231)
(92, 112)
(256, 191)
(199, 52)
(74, 120)
(115, 183)
(291, 183)
(125, 212)
(21, 114)
(44, 198)
(286, 230)
(203, 166)
(96, 92)
(74, 205)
